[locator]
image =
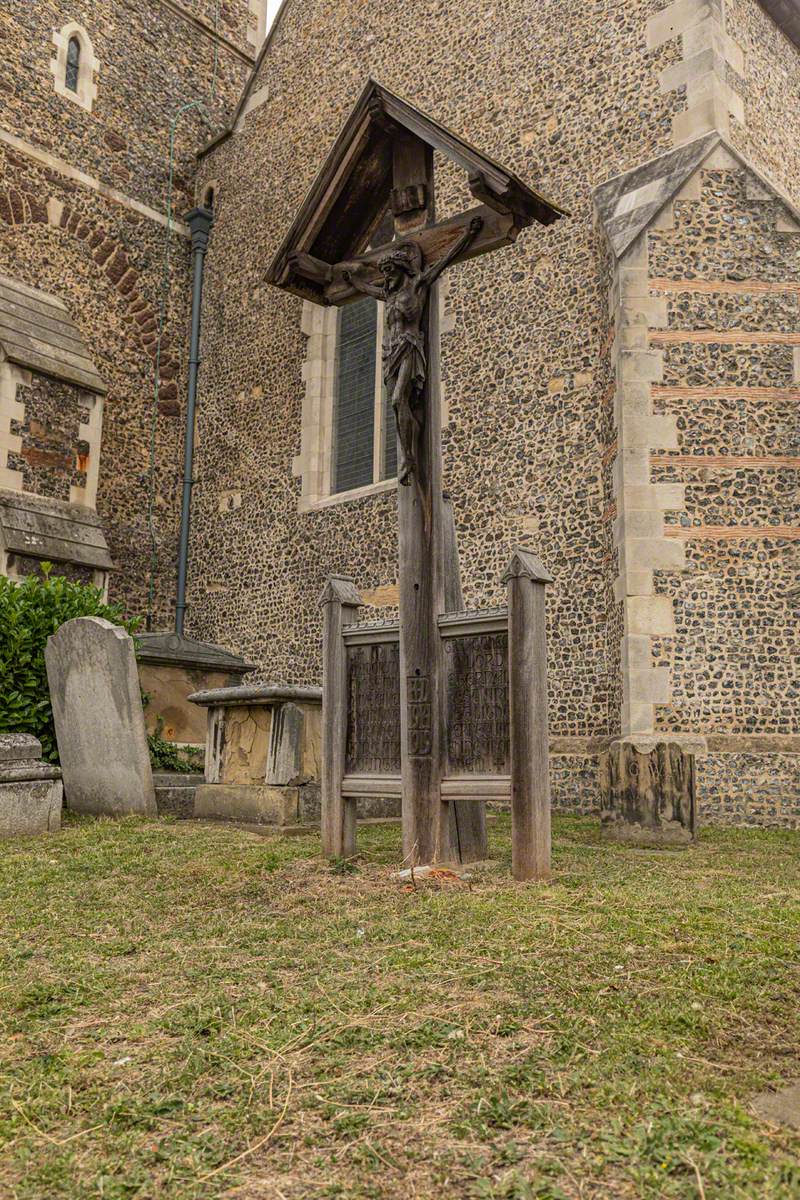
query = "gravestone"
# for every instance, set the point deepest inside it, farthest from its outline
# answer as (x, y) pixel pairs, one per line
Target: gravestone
(30, 790)
(647, 792)
(97, 709)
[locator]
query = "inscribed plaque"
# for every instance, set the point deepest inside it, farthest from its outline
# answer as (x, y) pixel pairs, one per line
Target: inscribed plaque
(476, 674)
(373, 709)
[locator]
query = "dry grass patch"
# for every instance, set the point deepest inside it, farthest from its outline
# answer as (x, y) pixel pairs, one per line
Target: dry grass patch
(194, 1011)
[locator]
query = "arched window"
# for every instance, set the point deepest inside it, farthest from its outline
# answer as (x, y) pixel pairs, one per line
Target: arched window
(73, 67)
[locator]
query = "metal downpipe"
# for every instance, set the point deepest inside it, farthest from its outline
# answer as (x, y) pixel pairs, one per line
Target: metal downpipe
(199, 221)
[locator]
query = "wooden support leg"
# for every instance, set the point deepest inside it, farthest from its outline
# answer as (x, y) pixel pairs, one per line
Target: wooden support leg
(426, 819)
(527, 686)
(468, 817)
(340, 603)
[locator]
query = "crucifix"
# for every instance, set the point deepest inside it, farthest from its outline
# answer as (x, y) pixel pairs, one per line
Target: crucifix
(383, 158)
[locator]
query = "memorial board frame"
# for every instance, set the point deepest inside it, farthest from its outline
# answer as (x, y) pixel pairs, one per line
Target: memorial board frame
(511, 716)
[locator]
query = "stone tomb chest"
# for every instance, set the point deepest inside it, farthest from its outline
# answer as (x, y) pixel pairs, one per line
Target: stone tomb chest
(262, 755)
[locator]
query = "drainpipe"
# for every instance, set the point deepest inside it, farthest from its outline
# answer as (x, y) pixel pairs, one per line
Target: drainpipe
(199, 221)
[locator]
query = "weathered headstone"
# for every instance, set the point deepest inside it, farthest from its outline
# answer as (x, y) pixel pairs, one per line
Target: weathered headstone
(647, 792)
(97, 708)
(30, 790)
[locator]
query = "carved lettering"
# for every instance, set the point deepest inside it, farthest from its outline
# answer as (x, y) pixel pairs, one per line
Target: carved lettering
(373, 709)
(476, 671)
(420, 737)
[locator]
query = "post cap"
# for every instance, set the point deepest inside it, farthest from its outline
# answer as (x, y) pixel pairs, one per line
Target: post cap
(525, 564)
(339, 589)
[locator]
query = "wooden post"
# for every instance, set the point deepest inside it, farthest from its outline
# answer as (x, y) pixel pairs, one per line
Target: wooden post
(467, 817)
(340, 603)
(527, 695)
(426, 819)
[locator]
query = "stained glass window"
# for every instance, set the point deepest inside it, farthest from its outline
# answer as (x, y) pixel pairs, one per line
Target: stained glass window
(73, 64)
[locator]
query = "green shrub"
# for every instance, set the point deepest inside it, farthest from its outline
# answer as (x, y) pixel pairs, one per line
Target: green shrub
(29, 612)
(166, 756)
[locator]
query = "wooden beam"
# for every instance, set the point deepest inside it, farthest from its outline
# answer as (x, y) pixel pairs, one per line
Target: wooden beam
(499, 229)
(426, 818)
(468, 818)
(305, 266)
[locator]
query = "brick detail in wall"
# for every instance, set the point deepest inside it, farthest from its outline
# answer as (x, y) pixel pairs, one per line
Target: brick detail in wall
(18, 207)
(709, 59)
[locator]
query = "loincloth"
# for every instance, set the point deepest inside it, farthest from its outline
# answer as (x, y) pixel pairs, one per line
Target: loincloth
(407, 345)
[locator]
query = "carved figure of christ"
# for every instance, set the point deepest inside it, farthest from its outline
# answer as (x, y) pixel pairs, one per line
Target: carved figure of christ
(405, 291)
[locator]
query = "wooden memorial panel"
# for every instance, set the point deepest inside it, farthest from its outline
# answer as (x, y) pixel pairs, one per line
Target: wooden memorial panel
(476, 690)
(373, 709)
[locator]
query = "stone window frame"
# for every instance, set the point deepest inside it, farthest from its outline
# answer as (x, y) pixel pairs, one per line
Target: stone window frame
(314, 464)
(202, 189)
(88, 65)
(12, 378)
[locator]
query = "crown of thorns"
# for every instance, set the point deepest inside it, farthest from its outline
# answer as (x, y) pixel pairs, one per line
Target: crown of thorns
(407, 256)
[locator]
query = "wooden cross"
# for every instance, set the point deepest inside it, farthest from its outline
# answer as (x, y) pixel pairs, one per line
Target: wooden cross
(384, 156)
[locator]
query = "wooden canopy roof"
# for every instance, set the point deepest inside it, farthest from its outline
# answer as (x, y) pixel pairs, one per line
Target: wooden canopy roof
(353, 189)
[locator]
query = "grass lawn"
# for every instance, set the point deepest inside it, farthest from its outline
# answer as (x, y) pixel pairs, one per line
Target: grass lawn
(193, 1011)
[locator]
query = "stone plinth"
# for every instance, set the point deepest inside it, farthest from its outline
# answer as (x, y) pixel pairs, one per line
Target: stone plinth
(263, 749)
(30, 790)
(647, 791)
(175, 792)
(171, 669)
(97, 709)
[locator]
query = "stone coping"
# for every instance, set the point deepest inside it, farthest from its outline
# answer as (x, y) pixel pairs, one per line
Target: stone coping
(265, 693)
(27, 770)
(53, 530)
(172, 649)
(178, 779)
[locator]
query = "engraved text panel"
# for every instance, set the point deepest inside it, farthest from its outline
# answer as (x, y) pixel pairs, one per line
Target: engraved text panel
(373, 709)
(476, 679)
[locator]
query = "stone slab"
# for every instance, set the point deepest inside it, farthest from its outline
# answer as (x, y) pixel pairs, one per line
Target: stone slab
(175, 793)
(253, 804)
(648, 792)
(97, 709)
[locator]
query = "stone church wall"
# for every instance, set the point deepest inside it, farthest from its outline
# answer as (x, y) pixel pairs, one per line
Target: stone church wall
(568, 96)
(53, 456)
(562, 97)
(82, 199)
(769, 89)
(730, 379)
